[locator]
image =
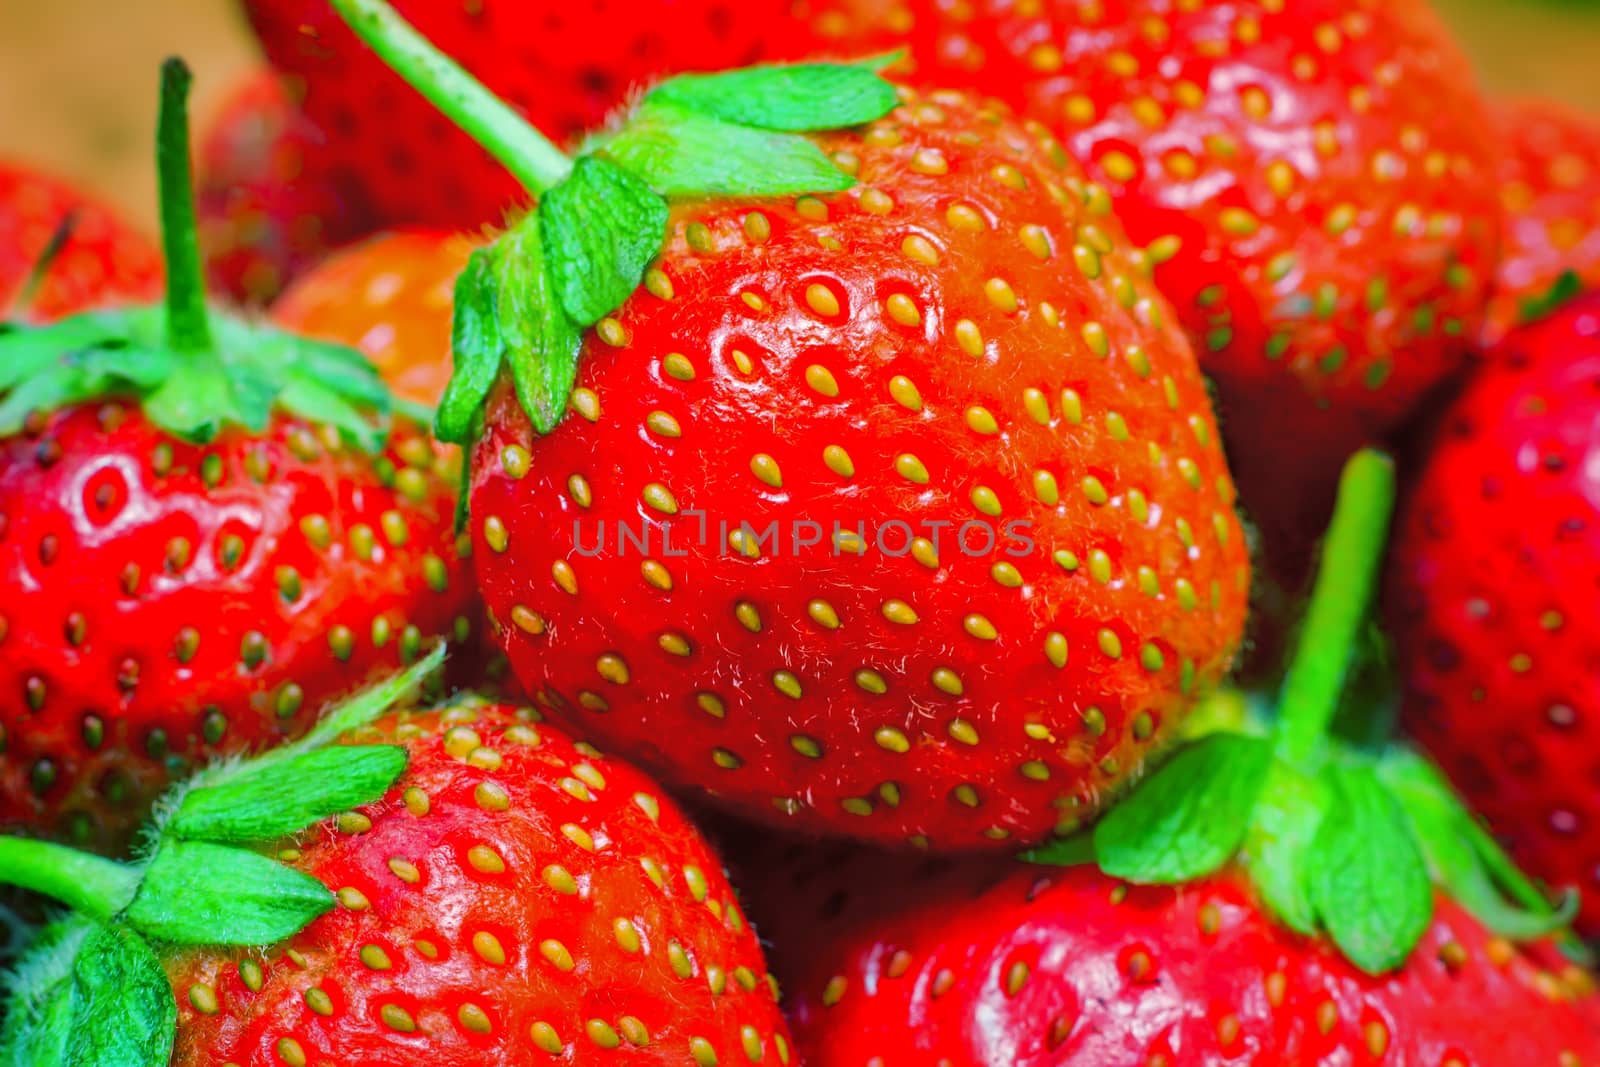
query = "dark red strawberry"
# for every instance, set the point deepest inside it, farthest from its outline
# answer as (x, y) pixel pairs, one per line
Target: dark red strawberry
(206, 533)
(390, 297)
(1550, 190)
(271, 198)
(1492, 598)
(563, 66)
(896, 964)
(63, 252)
(1315, 182)
(957, 336)
(511, 897)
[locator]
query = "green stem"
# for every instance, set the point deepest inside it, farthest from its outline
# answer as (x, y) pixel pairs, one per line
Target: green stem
(97, 887)
(1352, 554)
(524, 151)
(188, 329)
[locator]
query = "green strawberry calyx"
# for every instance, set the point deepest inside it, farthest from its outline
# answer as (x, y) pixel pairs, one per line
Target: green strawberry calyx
(523, 303)
(92, 992)
(1340, 834)
(193, 369)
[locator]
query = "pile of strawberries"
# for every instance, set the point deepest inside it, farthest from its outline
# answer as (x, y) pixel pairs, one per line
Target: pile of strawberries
(930, 465)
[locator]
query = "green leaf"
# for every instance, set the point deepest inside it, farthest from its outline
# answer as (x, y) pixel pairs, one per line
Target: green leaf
(312, 400)
(1074, 851)
(263, 802)
(1283, 826)
(1188, 818)
(89, 995)
(475, 345)
(1368, 882)
(193, 405)
(1468, 863)
(36, 1022)
(684, 153)
(123, 1011)
(252, 371)
(1565, 288)
(601, 227)
(798, 97)
(541, 343)
(352, 714)
(197, 893)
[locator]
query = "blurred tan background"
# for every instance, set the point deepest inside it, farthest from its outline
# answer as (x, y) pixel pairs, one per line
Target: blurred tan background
(78, 77)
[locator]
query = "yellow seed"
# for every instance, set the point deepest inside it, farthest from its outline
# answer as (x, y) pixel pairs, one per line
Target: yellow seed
(677, 365)
(821, 380)
(474, 1019)
(903, 309)
(871, 681)
(963, 731)
(891, 739)
(1045, 488)
(765, 468)
(899, 612)
(980, 420)
(546, 1038)
(1055, 649)
(560, 879)
(1001, 295)
(662, 424)
(980, 627)
(556, 953)
(1038, 408)
(929, 161)
(969, 338)
(876, 202)
(491, 796)
(613, 668)
(786, 683)
(397, 1019)
(905, 393)
(1118, 166)
(809, 747)
(749, 616)
(947, 681)
(822, 300)
(823, 614)
(964, 217)
(919, 249)
(485, 859)
(627, 935)
(838, 461)
(910, 468)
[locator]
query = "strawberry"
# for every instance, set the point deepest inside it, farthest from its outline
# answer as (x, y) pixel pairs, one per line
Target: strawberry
(390, 297)
(496, 893)
(956, 336)
(1550, 190)
(206, 533)
(1492, 595)
(968, 965)
(62, 252)
(271, 203)
(1315, 181)
(562, 66)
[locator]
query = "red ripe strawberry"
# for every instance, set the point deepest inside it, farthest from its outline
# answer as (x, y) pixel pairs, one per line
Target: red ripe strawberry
(89, 256)
(511, 897)
(1492, 598)
(837, 384)
(967, 965)
(563, 66)
(204, 537)
(1315, 181)
(271, 202)
(390, 297)
(1550, 189)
